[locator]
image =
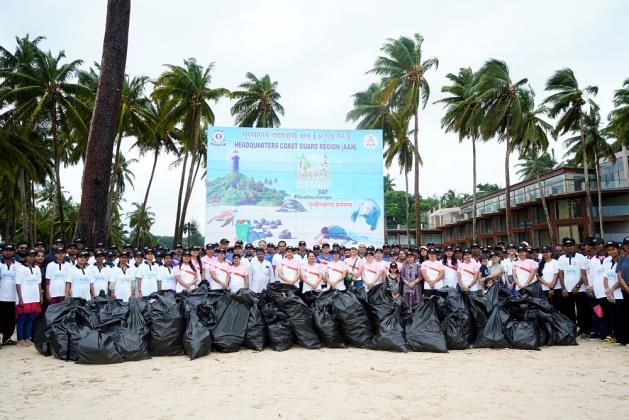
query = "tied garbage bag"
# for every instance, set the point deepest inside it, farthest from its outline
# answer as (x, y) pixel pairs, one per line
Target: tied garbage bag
(534, 290)
(98, 348)
(492, 335)
(386, 314)
(254, 335)
(325, 322)
(353, 319)
(279, 328)
(166, 323)
(522, 334)
(231, 324)
(67, 333)
(458, 324)
(43, 324)
(564, 331)
(133, 339)
(424, 331)
(197, 340)
(300, 318)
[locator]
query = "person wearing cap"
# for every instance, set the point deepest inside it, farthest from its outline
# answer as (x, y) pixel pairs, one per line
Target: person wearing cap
(495, 271)
(615, 321)
(178, 255)
(101, 274)
(572, 273)
(195, 258)
(146, 275)
(50, 257)
(393, 281)
(325, 257)
(507, 269)
(261, 272)
(208, 259)
(289, 268)
(475, 248)
(370, 271)
(595, 272)
(450, 267)
(111, 259)
(58, 273)
(8, 272)
(159, 257)
(249, 256)
(238, 275)
(524, 269)
(423, 254)
(29, 298)
(300, 254)
(219, 272)
(335, 271)
(311, 274)
(622, 271)
(80, 284)
(548, 276)
(136, 266)
(468, 272)
(432, 273)
(353, 266)
(121, 279)
(166, 274)
(39, 247)
(188, 277)
(410, 274)
(382, 263)
(317, 251)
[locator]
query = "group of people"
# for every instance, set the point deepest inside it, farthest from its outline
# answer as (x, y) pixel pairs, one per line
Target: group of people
(587, 282)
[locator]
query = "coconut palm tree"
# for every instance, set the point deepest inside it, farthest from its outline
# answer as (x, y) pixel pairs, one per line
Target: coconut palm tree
(596, 148)
(159, 139)
(389, 183)
(566, 102)
(463, 116)
(403, 71)
(533, 143)
(502, 114)
(44, 93)
(619, 118)
(186, 91)
(140, 221)
(257, 103)
(373, 112)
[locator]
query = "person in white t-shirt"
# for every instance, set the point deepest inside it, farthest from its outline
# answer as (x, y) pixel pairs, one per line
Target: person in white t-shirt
(507, 269)
(187, 276)
(613, 318)
(335, 271)
(166, 274)
(81, 284)
(572, 273)
(260, 272)
(370, 271)
(121, 280)
(58, 273)
(312, 275)
(29, 297)
(101, 274)
(238, 275)
(219, 272)
(468, 272)
(8, 271)
(548, 276)
(146, 275)
(450, 269)
(433, 272)
(289, 269)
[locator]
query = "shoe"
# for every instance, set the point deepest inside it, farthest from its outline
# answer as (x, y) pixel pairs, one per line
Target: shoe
(20, 343)
(27, 343)
(9, 342)
(610, 340)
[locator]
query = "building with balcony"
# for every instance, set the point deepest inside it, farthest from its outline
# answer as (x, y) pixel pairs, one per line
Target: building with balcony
(564, 189)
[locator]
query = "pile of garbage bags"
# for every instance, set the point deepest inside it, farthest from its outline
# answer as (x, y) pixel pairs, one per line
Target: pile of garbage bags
(105, 330)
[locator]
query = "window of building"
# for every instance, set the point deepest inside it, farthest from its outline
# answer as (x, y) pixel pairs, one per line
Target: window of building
(568, 209)
(540, 237)
(500, 223)
(571, 231)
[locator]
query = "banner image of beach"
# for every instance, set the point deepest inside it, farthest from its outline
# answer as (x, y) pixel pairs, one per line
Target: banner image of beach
(294, 184)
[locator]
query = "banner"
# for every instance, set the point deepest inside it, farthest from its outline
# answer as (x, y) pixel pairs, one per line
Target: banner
(294, 184)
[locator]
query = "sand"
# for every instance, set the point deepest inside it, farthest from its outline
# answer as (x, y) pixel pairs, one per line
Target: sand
(586, 381)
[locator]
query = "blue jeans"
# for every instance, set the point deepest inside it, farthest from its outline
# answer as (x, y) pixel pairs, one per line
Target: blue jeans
(24, 326)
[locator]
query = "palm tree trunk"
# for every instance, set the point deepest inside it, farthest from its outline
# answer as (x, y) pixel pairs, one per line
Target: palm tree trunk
(474, 189)
(193, 170)
(586, 175)
(34, 210)
(57, 159)
(21, 184)
(418, 224)
(92, 224)
(179, 197)
(508, 190)
(408, 229)
(112, 183)
(542, 195)
(600, 195)
(146, 196)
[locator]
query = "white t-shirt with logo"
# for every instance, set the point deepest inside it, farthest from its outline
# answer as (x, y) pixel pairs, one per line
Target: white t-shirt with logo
(29, 279)
(468, 271)
(612, 276)
(81, 281)
(148, 273)
(571, 267)
(59, 275)
(313, 273)
(548, 273)
(101, 278)
(596, 275)
(7, 281)
(123, 279)
(166, 275)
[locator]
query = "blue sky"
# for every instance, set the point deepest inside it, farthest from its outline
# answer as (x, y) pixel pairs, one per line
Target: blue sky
(319, 53)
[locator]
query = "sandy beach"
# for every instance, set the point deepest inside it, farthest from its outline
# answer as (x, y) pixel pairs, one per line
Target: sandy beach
(586, 381)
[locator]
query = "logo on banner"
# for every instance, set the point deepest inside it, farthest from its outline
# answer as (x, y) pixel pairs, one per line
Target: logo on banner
(218, 138)
(370, 141)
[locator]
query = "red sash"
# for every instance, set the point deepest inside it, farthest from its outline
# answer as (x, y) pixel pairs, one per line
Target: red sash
(239, 274)
(292, 268)
(224, 271)
(337, 270)
(313, 273)
(469, 271)
(192, 273)
(522, 268)
(451, 266)
(435, 269)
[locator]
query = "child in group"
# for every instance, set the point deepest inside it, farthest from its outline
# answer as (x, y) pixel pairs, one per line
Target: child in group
(483, 272)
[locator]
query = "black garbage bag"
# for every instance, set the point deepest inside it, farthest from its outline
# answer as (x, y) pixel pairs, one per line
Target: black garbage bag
(353, 319)
(98, 348)
(564, 331)
(492, 335)
(197, 340)
(522, 334)
(458, 324)
(534, 290)
(66, 334)
(386, 315)
(255, 335)
(300, 318)
(423, 330)
(166, 323)
(133, 339)
(232, 316)
(278, 325)
(42, 326)
(325, 322)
